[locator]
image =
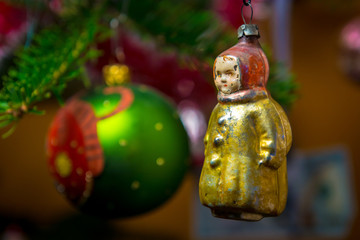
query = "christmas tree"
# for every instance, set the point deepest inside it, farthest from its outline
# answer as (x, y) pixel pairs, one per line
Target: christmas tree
(61, 37)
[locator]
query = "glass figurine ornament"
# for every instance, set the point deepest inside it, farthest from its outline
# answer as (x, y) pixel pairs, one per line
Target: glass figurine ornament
(244, 174)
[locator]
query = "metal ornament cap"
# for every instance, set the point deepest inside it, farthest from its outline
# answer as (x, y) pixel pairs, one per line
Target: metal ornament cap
(248, 30)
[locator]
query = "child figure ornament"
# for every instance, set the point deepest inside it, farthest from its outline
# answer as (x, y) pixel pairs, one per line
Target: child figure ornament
(244, 174)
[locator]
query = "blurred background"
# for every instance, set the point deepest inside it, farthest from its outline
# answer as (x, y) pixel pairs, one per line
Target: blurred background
(314, 51)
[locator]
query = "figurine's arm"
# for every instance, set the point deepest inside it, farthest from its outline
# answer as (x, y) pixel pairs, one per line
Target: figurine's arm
(212, 118)
(269, 129)
(268, 153)
(206, 138)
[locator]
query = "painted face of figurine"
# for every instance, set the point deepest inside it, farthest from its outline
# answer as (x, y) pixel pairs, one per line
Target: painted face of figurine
(227, 74)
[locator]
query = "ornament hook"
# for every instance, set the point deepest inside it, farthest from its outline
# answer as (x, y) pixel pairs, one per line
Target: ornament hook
(246, 3)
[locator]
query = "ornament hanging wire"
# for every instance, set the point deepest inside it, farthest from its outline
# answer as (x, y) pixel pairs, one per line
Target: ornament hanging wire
(116, 24)
(246, 3)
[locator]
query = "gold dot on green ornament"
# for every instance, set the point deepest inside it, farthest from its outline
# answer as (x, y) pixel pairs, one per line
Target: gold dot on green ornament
(63, 165)
(122, 142)
(135, 185)
(160, 161)
(73, 144)
(159, 126)
(106, 103)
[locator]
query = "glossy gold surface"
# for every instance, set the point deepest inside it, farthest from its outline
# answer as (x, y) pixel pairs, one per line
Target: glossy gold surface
(244, 173)
(116, 74)
(245, 160)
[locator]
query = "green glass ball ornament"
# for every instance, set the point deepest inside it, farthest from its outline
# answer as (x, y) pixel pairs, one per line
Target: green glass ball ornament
(117, 151)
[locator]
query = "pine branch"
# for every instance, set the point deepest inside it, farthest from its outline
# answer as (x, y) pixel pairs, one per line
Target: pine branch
(180, 26)
(56, 56)
(282, 85)
(194, 32)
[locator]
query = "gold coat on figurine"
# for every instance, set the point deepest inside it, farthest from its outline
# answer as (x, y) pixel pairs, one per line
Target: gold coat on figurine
(244, 173)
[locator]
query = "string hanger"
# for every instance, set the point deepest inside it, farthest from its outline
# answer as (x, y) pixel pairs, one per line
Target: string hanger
(248, 4)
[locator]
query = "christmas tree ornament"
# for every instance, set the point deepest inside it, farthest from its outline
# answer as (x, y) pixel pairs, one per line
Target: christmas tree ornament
(116, 74)
(350, 49)
(244, 174)
(117, 151)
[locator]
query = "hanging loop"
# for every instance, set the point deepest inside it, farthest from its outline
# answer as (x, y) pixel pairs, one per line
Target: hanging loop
(246, 3)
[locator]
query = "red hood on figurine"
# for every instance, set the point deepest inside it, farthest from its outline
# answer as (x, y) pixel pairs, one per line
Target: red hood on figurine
(253, 64)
